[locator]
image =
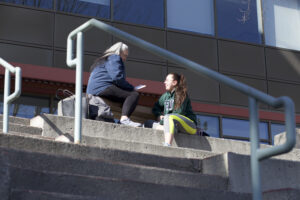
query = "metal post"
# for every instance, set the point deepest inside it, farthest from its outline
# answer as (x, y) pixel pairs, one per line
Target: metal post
(254, 138)
(6, 104)
(78, 92)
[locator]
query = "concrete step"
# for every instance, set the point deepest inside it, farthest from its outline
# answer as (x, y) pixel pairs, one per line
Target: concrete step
(282, 194)
(276, 174)
(22, 128)
(281, 138)
(48, 146)
(108, 169)
(54, 126)
(19, 194)
(175, 152)
(110, 188)
(17, 120)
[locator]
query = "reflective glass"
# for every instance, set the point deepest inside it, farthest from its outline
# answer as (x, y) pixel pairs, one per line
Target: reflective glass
(30, 106)
(282, 23)
(209, 124)
(45, 110)
(241, 128)
(25, 111)
(237, 20)
(276, 129)
(11, 108)
(191, 15)
(145, 12)
(93, 8)
(47, 4)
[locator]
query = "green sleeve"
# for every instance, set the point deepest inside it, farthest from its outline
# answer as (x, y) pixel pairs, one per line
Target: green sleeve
(158, 108)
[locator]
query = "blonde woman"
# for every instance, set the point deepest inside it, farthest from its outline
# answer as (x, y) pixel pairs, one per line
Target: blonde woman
(108, 79)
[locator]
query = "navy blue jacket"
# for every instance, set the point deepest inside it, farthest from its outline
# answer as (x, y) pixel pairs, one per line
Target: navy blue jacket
(107, 73)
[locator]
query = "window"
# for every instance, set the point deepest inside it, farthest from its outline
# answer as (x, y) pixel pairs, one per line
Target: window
(241, 128)
(282, 23)
(143, 12)
(191, 15)
(276, 129)
(209, 125)
(237, 20)
(11, 108)
(47, 4)
(25, 111)
(27, 106)
(93, 8)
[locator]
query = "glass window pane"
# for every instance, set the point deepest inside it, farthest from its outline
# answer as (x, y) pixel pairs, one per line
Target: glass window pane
(47, 4)
(45, 110)
(191, 15)
(93, 8)
(11, 109)
(29, 106)
(25, 111)
(276, 129)
(241, 128)
(209, 124)
(237, 20)
(282, 23)
(143, 12)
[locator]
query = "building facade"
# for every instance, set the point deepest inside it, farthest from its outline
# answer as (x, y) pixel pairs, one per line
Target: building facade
(222, 35)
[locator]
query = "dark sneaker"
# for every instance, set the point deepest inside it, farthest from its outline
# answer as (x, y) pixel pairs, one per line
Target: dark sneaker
(128, 122)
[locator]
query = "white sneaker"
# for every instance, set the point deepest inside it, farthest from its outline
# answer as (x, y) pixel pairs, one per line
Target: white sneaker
(128, 122)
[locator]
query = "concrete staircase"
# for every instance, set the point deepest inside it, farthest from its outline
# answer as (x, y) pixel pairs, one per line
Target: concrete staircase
(119, 162)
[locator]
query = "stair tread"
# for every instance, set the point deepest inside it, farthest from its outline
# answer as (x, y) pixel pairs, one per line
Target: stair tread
(84, 185)
(16, 120)
(104, 168)
(48, 146)
(21, 128)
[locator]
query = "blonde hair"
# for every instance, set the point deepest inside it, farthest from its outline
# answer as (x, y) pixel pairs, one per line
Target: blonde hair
(116, 49)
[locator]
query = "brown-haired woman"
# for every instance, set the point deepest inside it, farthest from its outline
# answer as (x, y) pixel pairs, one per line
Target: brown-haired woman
(174, 110)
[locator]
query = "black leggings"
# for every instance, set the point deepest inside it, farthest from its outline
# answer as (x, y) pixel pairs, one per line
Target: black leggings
(128, 98)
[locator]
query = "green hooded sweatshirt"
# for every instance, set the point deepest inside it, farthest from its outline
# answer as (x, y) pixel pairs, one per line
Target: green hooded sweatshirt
(165, 105)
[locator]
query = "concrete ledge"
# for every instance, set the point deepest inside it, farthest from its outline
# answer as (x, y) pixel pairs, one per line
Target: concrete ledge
(54, 126)
(47, 146)
(145, 148)
(22, 129)
(111, 188)
(281, 138)
(16, 120)
(4, 179)
(275, 174)
(107, 169)
(282, 194)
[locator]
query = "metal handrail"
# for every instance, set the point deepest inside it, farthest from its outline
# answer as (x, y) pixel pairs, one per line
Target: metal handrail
(7, 99)
(254, 94)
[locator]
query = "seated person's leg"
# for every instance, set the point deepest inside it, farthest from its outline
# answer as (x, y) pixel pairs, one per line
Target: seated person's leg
(129, 100)
(184, 124)
(172, 121)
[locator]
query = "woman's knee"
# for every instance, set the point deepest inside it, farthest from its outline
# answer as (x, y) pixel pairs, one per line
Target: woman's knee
(135, 95)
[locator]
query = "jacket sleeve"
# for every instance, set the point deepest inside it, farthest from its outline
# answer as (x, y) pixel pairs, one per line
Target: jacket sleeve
(158, 108)
(116, 71)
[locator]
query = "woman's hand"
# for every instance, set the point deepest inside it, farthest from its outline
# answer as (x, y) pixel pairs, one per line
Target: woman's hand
(160, 118)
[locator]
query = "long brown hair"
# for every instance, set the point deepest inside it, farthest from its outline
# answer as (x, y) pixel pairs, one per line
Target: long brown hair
(180, 89)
